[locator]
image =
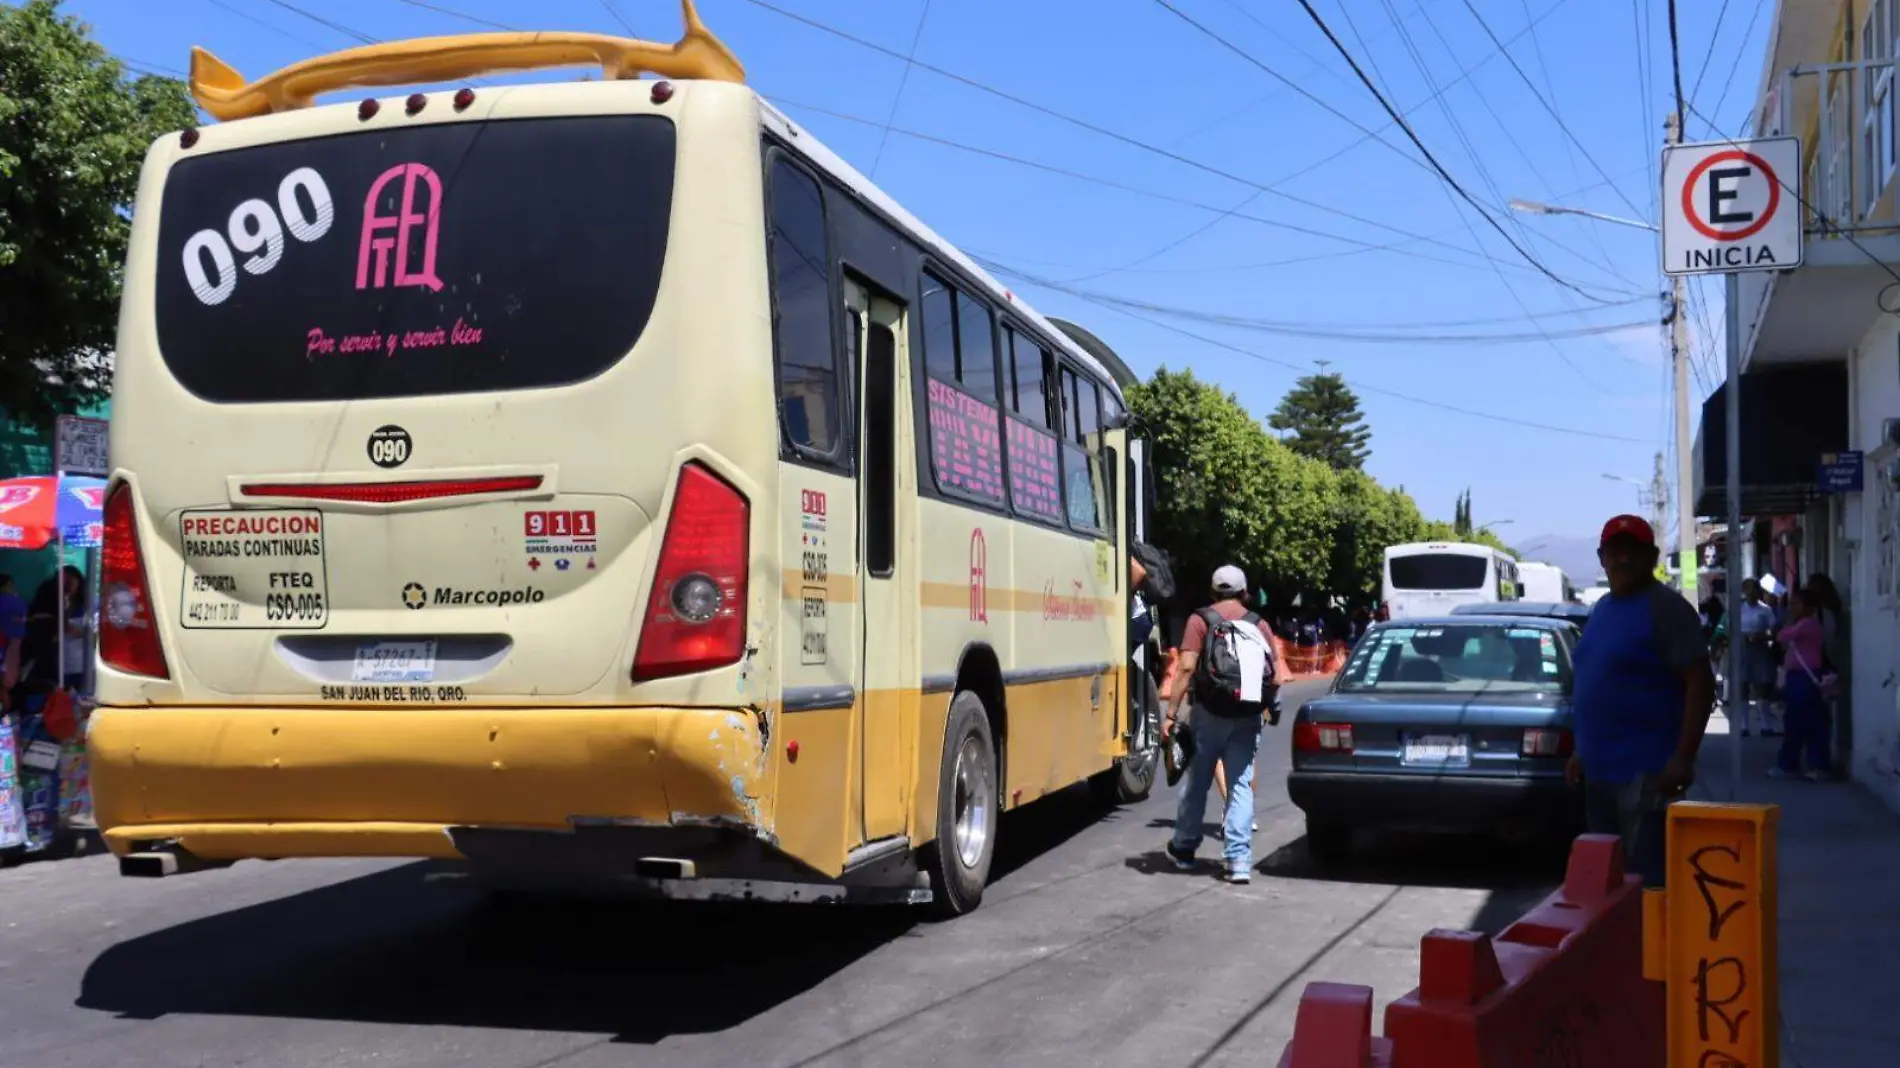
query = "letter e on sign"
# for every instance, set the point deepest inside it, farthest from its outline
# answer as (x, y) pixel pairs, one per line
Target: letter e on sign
(1731, 206)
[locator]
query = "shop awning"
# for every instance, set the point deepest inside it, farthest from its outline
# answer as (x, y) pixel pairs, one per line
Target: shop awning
(1791, 415)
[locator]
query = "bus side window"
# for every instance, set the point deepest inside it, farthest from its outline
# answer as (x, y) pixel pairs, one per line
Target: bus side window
(880, 453)
(960, 353)
(1081, 428)
(808, 385)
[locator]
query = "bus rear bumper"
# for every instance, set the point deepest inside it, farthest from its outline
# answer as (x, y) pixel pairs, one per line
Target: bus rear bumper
(222, 784)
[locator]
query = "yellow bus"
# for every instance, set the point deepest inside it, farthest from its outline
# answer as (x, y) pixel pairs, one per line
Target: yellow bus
(599, 483)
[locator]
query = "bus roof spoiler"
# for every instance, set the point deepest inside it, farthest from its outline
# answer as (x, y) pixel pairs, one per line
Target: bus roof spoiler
(223, 93)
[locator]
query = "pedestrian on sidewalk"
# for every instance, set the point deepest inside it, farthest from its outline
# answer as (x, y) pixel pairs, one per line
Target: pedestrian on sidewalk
(1757, 634)
(1642, 697)
(1227, 664)
(1809, 732)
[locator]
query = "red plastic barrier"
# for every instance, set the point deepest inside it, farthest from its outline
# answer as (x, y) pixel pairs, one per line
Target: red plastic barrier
(1298, 662)
(1562, 987)
(1334, 1030)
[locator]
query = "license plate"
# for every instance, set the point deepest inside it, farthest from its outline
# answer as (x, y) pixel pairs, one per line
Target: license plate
(1438, 750)
(410, 661)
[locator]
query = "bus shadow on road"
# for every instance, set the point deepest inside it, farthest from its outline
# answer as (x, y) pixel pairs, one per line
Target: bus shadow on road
(419, 945)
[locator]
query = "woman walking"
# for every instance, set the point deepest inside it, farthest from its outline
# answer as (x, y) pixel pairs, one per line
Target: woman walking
(1808, 730)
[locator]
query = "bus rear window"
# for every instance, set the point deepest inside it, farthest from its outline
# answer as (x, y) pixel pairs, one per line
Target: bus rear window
(1439, 571)
(447, 258)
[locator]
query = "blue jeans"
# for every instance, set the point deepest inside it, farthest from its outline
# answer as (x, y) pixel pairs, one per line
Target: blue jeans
(1636, 812)
(1807, 726)
(1233, 741)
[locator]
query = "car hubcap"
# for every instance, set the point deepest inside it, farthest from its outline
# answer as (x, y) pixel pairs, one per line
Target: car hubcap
(972, 805)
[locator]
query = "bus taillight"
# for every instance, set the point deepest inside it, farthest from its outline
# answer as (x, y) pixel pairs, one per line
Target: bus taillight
(128, 636)
(695, 618)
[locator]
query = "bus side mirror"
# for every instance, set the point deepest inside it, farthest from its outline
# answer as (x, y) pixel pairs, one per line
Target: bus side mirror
(1520, 591)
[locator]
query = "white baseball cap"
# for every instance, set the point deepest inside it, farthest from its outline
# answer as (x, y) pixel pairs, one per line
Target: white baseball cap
(1230, 579)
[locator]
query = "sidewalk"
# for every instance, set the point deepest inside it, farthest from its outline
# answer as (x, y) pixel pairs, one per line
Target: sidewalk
(1840, 907)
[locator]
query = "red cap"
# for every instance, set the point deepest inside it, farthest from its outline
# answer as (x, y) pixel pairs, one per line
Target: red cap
(1632, 525)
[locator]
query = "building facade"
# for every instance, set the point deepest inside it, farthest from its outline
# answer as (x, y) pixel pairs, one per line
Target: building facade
(1820, 353)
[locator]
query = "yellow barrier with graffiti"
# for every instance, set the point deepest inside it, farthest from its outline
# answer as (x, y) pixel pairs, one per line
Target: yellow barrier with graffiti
(1710, 937)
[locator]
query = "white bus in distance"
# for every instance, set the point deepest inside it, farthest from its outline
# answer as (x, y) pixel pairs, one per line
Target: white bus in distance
(1546, 583)
(1432, 578)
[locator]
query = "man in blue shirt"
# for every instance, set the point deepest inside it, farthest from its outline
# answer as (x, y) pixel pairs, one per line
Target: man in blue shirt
(1643, 694)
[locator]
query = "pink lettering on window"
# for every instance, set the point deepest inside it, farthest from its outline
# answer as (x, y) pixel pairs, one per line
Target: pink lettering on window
(383, 233)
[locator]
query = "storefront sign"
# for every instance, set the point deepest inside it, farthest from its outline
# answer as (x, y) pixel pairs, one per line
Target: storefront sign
(1840, 472)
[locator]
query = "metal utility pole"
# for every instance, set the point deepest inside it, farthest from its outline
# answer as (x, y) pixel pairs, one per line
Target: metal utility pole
(1685, 459)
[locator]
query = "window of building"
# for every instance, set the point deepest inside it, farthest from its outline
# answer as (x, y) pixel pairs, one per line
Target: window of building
(808, 384)
(1876, 78)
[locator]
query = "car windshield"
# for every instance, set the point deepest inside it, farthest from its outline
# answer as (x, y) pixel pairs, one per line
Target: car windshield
(1458, 658)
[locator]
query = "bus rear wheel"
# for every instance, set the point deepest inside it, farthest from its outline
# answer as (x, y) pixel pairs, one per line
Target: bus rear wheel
(967, 810)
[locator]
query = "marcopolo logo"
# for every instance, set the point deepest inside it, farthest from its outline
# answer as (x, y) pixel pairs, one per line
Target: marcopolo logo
(448, 595)
(415, 595)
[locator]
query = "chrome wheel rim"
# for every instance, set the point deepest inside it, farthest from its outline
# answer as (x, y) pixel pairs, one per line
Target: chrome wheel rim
(972, 803)
(1147, 746)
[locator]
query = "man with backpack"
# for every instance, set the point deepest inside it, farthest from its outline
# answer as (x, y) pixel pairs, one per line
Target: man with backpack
(1227, 658)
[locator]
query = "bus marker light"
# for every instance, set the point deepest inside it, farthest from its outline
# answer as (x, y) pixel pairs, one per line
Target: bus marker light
(416, 103)
(662, 92)
(367, 109)
(189, 137)
(791, 751)
(463, 98)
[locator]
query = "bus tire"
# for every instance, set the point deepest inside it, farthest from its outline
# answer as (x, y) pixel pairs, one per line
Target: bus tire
(1133, 776)
(968, 807)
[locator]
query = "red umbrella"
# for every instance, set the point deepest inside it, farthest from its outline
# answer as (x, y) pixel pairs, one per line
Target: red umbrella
(41, 509)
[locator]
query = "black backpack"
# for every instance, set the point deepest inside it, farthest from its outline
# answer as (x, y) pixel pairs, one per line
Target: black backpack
(1219, 674)
(1158, 586)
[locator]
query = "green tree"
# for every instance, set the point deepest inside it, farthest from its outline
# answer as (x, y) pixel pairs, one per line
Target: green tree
(73, 131)
(1368, 520)
(1461, 515)
(1228, 493)
(1322, 414)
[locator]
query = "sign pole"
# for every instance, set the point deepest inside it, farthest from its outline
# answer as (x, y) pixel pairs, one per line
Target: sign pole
(1685, 448)
(1732, 411)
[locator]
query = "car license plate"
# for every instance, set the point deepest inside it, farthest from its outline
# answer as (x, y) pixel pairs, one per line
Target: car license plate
(1438, 750)
(406, 661)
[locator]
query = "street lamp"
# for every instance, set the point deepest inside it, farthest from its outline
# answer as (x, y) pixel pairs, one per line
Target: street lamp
(1532, 207)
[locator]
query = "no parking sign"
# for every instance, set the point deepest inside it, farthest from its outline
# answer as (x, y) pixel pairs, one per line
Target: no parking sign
(1732, 206)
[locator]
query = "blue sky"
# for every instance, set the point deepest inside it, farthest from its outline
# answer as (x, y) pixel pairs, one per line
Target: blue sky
(1117, 227)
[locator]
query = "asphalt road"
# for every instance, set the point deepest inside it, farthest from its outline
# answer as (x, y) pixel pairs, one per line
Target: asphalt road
(1088, 950)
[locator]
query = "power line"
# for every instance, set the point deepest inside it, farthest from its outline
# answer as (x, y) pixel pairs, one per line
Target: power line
(1190, 235)
(1443, 174)
(464, 16)
(1484, 172)
(1551, 110)
(1096, 128)
(272, 27)
(1675, 59)
(336, 27)
(1735, 67)
(1715, 36)
(1375, 390)
(1317, 331)
(1362, 245)
(897, 98)
(618, 17)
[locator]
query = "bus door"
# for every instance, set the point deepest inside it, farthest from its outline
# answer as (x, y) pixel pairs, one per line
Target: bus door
(887, 619)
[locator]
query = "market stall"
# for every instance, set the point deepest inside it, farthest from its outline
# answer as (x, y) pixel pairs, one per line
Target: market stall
(44, 795)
